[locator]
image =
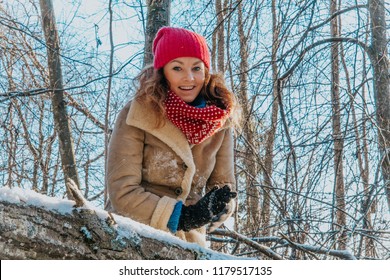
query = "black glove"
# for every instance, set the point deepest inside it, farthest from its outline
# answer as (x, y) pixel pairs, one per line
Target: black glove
(206, 209)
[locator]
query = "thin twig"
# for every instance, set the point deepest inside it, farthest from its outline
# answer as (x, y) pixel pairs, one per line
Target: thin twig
(342, 254)
(239, 237)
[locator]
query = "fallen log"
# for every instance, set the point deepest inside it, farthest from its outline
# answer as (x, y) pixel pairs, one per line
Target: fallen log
(33, 226)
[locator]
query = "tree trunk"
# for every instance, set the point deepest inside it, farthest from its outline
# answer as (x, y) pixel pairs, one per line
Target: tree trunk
(362, 154)
(158, 16)
(269, 146)
(380, 62)
(220, 37)
(250, 161)
(30, 232)
(339, 190)
(61, 121)
(108, 98)
(218, 60)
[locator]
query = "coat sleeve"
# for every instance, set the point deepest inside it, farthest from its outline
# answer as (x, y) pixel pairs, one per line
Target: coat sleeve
(126, 196)
(223, 172)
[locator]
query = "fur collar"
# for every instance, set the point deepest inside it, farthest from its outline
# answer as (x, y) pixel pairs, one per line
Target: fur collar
(144, 118)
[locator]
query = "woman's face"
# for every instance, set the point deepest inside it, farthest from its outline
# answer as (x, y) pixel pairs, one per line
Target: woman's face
(185, 76)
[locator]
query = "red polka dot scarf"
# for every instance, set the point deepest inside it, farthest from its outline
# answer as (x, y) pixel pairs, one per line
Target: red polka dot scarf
(197, 124)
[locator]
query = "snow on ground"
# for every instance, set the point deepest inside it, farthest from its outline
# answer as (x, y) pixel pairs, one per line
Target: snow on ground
(125, 226)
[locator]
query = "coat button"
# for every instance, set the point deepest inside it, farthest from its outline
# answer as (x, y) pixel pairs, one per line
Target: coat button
(178, 191)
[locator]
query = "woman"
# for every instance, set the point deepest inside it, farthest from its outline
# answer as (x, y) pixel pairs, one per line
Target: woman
(173, 142)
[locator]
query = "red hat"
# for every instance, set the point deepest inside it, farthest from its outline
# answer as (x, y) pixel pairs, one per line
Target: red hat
(172, 42)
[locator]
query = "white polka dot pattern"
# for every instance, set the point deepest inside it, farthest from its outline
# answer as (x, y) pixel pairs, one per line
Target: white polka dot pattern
(196, 123)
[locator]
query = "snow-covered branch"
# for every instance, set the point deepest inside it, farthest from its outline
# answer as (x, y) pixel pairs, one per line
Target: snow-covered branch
(34, 226)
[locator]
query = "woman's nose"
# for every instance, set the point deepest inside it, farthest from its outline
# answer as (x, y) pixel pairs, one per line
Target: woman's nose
(189, 76)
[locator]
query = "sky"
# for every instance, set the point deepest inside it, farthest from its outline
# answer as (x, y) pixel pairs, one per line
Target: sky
(92, 20)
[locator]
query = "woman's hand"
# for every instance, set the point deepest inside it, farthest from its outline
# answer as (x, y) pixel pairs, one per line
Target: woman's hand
(210, 207)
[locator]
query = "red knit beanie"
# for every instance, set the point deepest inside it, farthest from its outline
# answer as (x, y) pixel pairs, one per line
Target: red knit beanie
(172, 42)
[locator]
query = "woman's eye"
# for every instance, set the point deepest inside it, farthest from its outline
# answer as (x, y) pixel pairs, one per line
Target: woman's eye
(176, 68)
(197, 68)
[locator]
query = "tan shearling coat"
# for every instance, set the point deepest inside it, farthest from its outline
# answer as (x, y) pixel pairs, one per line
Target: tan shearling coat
(149, 169)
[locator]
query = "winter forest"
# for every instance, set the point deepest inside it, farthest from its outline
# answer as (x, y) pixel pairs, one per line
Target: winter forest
(312, 156)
